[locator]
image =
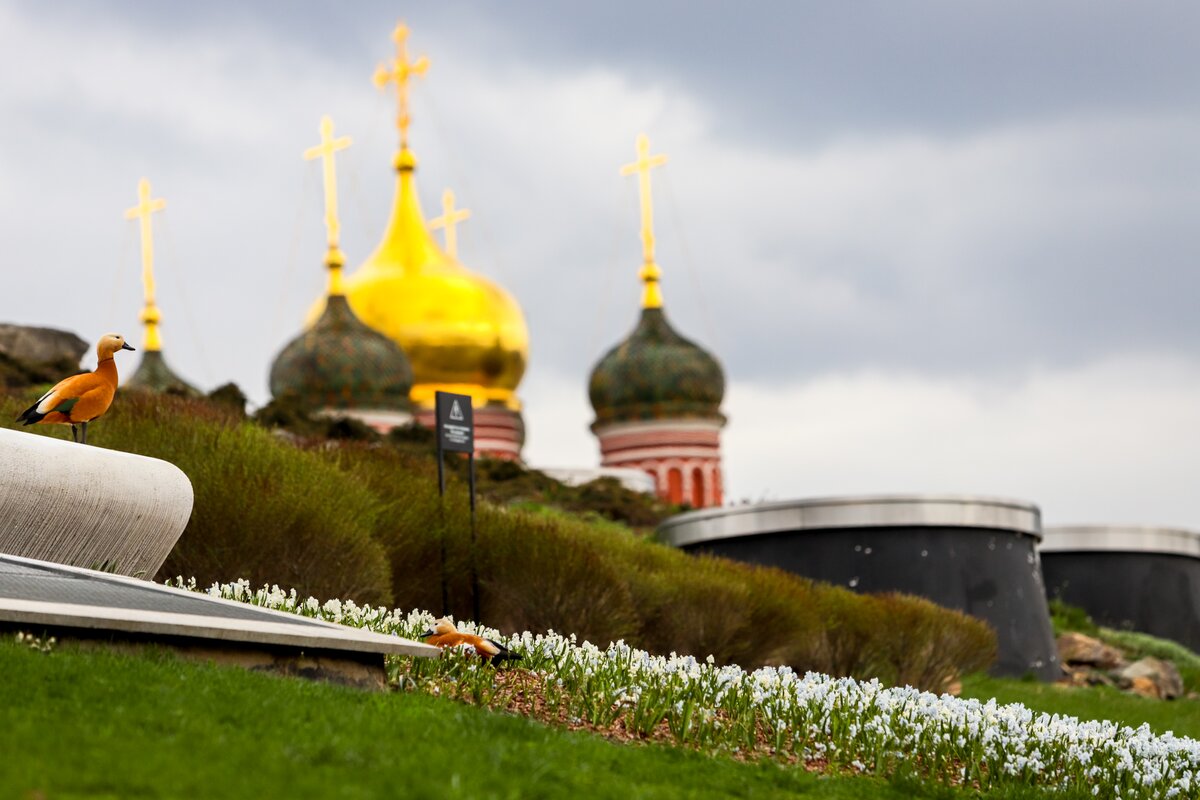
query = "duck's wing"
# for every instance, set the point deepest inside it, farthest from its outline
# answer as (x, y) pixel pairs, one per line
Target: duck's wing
(61, 398)
(486, 647)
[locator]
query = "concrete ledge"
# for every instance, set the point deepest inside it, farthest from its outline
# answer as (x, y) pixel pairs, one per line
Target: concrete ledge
(867, 511)
(289, 630)
(87, 506)
(1121, 538)
(101, 609)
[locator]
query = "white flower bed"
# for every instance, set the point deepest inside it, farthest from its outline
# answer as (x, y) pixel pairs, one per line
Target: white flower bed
(848, 723)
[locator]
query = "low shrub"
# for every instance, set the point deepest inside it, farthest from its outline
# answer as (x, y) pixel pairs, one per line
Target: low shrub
(922, 644)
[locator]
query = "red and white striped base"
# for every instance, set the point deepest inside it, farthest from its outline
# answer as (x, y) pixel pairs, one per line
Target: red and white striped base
(683, 456)
(499, 431)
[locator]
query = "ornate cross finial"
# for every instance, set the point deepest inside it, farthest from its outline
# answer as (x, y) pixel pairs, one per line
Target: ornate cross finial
(146, 206)
(449, 220)
(324, 151)
(399, 72)
(651, 296)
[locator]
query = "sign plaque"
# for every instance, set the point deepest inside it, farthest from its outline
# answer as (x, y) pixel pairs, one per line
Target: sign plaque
(455, 423)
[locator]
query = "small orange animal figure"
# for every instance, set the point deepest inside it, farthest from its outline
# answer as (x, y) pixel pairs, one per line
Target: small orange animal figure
(80, 399)
(443, 634)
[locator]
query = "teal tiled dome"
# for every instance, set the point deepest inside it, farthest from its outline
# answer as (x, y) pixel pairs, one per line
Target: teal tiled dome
(154, 375)
(340, 363)
(656, 374)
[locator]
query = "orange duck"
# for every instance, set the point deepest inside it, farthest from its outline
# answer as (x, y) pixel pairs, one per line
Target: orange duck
(79, 399)
(443, 634)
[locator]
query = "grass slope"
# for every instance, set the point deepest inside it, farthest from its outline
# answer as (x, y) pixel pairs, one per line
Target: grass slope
(97, 724)
(1100, 702)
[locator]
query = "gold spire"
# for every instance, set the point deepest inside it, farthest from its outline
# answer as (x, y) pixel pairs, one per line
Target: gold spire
(150, 314)
(324, 151)
(449, 220)
(399, 72)
(650, 273)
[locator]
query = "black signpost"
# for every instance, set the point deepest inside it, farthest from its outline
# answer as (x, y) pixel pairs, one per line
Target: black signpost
(456, 434)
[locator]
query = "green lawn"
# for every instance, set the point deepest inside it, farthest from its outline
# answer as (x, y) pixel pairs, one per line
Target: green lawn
(98, 724)
(1181, 716)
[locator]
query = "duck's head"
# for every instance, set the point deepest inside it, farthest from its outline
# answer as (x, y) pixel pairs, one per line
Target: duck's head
(110, 343)
(440, 628)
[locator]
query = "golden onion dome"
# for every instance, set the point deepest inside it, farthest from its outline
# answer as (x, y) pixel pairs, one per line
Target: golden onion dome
(461, 332)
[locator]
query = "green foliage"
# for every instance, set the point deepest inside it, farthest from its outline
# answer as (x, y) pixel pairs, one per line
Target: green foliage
(231, 395)
(1070, 618)
(917, 646)
(362, 520)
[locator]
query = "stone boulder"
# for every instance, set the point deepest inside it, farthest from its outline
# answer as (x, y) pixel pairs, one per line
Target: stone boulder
(41, 345)
(1077, 649)
(1152, 677)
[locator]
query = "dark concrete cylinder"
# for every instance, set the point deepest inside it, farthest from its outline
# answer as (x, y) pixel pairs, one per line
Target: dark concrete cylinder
(1145, 579)
(973, 554)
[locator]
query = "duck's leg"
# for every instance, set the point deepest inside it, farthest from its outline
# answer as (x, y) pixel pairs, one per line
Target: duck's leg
(74, 434)
(83, 439)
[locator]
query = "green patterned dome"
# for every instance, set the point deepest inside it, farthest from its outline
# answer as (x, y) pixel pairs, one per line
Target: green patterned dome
(153, 375)
(656, 374)
(341, 363)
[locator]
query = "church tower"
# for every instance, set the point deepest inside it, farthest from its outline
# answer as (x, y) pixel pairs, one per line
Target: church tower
(657, 396)
(153, 374)
(460, 331)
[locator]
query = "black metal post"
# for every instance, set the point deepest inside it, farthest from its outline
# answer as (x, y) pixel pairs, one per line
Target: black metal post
(474, 571)
(442, 533)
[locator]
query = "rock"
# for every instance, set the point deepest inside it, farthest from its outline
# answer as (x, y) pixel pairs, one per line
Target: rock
(40, 345)
(1143, 687)
(1161, 674)
(1080, 675)
(1075, 648)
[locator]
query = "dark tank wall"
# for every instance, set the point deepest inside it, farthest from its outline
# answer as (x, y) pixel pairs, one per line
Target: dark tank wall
(1156, 593)
(990, 574)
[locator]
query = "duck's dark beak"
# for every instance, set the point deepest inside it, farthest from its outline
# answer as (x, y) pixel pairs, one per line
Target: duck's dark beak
(127, 347)
(427, 634)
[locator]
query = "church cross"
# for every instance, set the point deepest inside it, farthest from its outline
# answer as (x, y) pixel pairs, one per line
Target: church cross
(324, 151)
(651, 297)
(399, 72)
(141, 212)
(449, 220)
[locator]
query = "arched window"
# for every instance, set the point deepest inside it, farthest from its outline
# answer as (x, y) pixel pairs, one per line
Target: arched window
(675, 485)
(697, 488)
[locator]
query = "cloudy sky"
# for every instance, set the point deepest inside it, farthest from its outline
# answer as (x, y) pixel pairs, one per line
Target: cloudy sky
(938, 246)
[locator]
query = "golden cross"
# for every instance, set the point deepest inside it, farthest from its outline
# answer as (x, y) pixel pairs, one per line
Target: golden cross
(141, 212)
(651, 298)
(324, 151)
(399, 72)
(449, 220)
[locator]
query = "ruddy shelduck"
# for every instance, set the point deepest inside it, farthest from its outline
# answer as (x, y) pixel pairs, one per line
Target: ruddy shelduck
(444, 634)
(79, 399)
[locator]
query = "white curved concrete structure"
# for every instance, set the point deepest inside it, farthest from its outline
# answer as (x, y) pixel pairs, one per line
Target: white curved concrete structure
(89, 507)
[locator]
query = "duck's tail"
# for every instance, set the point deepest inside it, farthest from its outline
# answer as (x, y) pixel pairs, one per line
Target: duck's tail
(503, 654)
(31, 415)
